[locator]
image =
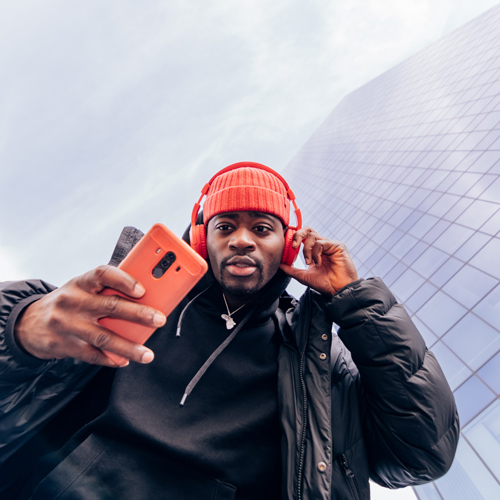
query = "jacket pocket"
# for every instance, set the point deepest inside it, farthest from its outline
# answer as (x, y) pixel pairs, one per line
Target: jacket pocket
(104, 469)
(349, 477)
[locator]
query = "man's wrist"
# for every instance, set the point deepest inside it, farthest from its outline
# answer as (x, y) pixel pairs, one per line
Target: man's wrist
(16, 348)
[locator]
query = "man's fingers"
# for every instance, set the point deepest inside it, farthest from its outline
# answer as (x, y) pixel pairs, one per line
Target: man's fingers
(111, 277)
(103, 339)
(88, 344)
(114, 306)
(294, 273)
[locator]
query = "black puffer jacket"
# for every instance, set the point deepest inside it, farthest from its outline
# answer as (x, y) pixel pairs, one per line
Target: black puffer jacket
(389, 415)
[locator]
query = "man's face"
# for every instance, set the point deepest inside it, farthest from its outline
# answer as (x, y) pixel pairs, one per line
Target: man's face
(244, 249)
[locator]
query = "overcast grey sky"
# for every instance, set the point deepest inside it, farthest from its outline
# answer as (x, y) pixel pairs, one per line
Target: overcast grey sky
(116, 113)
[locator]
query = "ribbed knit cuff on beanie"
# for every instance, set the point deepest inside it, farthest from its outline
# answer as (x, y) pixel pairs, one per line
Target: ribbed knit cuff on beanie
(247, 189)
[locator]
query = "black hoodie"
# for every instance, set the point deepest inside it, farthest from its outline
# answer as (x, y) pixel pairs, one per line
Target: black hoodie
(224, 442)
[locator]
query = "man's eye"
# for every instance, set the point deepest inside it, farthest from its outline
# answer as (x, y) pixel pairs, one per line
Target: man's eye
(223, 227)
(262, 229)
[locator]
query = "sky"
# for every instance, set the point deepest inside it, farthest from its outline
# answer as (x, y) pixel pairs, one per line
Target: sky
(116, 112)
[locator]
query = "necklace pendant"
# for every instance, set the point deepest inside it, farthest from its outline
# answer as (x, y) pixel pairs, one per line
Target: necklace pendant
(230, 323)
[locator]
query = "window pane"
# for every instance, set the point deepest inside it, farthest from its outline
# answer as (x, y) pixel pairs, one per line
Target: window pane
(488, 259)
(453, 238)
(421, 296)
(493, 192)
(489, 308)
(423, 225)
(436, 231)
(394, 273)
(427, 492)
(403, 246)
(484, 435)
(406, 284)
(492, 225)
(472, 246)
(446, 271)
(430, 261)
(454, 369)
(471, 398)
(441, 313)
(464, 183)
(477, 214)
(490, 373)
(469, 286)
(429, 337)
(476, 353)
(468, 477)
(384, 265)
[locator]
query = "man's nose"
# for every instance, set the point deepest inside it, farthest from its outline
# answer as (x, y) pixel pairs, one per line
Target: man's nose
(242, 239)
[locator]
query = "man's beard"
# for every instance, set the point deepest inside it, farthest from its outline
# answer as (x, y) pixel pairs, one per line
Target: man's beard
(242, 290)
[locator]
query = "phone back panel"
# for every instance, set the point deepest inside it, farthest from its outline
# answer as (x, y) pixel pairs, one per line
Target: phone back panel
(150, 257)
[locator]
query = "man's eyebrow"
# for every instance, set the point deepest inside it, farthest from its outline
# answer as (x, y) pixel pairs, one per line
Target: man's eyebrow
(264, 215)
(256, 215)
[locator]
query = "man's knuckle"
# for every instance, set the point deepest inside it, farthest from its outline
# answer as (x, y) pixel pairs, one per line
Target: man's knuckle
(101, 272)
(92, 357)
(112, 304)
(145, 313)
(100, 339)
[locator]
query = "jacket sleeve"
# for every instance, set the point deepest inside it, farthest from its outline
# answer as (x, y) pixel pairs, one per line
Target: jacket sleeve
(410, 420)
(31, 390)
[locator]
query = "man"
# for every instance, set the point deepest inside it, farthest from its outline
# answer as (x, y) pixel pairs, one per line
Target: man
(271, 404)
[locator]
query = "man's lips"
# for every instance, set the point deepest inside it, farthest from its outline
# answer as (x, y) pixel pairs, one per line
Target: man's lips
(241, 266)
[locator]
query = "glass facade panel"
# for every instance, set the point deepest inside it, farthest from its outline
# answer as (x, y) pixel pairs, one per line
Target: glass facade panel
(442, 312)
(421, 296)
(472, 246)
(490, 373)
(489, 308)
(469, 286)
(446, 271)
(430, 262)
(487, 258)
(453, 238)
(477, 214)
(473, 340)
(472, 397)
(455, 370)
(427, 492)
(483, 433)
(406, 284)
(468, 479)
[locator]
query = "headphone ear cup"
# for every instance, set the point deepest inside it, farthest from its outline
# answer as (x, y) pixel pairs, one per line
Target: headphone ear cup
(289, 253)
(198, 238)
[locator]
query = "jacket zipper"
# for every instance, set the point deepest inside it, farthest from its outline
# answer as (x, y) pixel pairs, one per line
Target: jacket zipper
(300, 470)
(349, 474)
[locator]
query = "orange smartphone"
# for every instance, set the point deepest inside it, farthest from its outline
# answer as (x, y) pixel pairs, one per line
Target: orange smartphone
(168, 268)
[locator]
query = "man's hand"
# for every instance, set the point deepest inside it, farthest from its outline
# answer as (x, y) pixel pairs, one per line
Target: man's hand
(330, 265)
(64, 323)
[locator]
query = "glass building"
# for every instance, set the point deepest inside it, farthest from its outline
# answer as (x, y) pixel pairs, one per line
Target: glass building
(405, 171)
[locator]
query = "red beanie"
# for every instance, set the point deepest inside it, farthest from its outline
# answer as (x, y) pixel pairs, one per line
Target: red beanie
(247, 189)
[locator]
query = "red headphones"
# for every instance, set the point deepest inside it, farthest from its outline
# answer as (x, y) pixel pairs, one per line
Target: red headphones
(198, 232)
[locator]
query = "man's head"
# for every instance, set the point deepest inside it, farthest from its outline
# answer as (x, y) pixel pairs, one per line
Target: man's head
(246, 214)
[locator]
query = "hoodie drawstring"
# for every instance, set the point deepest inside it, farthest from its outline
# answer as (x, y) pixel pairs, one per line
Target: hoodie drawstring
(181, 317)
(213, 357)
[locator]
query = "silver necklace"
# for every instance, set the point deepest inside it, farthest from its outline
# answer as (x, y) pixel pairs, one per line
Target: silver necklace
(230, 323)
